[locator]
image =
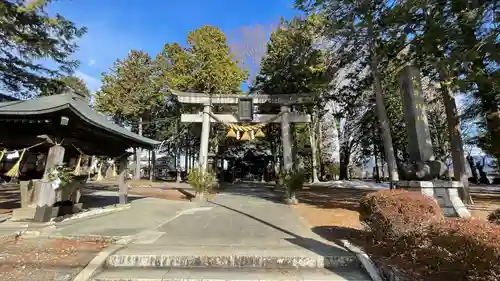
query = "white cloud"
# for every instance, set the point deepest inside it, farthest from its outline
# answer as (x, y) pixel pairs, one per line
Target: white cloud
(92, 83)
(92, 62)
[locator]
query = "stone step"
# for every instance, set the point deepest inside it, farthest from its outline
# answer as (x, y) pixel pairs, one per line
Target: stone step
(230, 257)
(233, 274)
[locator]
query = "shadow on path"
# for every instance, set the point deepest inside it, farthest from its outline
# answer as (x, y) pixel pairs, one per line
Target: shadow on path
(337, 233)
(92, 200)
(307, 243)
(264, 191)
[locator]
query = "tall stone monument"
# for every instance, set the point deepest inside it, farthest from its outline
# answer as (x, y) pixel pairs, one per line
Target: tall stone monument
(422, 171)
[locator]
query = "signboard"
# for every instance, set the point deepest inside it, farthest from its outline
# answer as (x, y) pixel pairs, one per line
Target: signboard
(245, 109)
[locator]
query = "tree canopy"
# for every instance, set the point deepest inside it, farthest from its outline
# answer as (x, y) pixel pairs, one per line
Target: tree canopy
(128, 92)
(27, 36)
(206, 65)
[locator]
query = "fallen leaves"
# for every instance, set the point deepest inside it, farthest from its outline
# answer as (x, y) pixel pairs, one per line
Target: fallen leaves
(45, 259)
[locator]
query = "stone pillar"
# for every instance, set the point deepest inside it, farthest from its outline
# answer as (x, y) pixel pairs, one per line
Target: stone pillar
(423, 171)
(286, 139)
(54, 158)
(419, 137)
(205, 134)
(122, 180)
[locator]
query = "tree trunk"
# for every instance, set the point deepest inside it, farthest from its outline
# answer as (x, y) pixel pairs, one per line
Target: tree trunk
(137, 174)
(376, 174)
(473, 170)
(381, 111)
(345, 156)
(312, 140)
(457, 149)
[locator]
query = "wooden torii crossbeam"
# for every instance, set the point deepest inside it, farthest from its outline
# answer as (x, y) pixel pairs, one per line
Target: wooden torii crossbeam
(245, 114)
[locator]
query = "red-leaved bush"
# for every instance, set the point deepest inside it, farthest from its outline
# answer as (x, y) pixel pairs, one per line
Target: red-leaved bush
(426, 246)
(389, 214)
(458, 249)
(494, 217)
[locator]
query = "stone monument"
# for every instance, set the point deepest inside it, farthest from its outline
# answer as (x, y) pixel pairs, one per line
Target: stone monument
(422, 172)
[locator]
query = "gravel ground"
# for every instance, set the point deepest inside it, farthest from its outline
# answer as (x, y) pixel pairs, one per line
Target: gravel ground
(44, 259)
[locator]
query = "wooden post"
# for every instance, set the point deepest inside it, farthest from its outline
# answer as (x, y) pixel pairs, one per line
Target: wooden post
(153, 165)
(47, 195)
(122, 180)
(150, 166)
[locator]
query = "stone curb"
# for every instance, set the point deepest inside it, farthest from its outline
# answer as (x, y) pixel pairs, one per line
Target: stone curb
(107, 211)
(88, 238)
(97, 263)
(365, 261)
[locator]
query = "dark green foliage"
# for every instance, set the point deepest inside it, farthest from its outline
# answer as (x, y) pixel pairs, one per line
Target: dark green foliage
(28, 34)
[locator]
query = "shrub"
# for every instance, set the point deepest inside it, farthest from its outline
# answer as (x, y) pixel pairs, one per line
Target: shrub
(458, 249)
(494, 217)
(410, 232)
(200, 181)
(294, 181)
(333, 170)
(394, 213)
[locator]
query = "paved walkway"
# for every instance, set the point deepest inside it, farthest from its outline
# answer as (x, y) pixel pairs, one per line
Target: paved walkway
(245, 229)
(242, 215)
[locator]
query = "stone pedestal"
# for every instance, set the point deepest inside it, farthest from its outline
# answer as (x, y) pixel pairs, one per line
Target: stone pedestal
(444, 192)
(27, 189)
(38, 198)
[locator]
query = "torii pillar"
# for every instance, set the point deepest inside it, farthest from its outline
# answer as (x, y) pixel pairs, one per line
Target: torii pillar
(205, 134)
(246, 115)
(286, 138)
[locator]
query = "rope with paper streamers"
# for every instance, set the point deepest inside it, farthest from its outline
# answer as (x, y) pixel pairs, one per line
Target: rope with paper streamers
(14, 171)
(252, 128)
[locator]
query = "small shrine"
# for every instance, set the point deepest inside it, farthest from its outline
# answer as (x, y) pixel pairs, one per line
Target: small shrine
(41, 134)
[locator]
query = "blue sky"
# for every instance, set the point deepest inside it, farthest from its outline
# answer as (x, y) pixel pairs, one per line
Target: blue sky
(117, 26)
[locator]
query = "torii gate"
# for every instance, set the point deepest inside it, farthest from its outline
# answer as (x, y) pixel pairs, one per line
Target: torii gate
(245, 114)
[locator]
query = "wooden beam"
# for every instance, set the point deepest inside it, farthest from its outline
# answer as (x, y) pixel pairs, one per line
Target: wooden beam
(201, 98)
(257, 118)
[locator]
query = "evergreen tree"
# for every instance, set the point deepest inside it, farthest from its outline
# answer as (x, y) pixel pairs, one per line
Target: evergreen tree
(28, 34)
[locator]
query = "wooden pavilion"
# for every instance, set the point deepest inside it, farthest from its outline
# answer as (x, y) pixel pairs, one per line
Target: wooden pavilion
(62, 127)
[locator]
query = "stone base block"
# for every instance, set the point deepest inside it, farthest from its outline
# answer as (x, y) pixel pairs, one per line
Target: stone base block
(45, 213)
(444, 192)
(26, 213)
(291, 201)
(78, 207)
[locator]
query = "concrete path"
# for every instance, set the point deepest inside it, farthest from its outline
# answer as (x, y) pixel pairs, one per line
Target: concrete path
(144, 214)
(243, 233)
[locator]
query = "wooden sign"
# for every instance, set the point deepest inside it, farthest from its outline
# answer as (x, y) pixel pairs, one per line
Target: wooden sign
(245, 109)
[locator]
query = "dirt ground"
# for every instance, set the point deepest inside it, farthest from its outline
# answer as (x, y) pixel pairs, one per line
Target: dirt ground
(330, 212)
(169, 194)
(333, 212)
(45, 259)
(484, 203)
